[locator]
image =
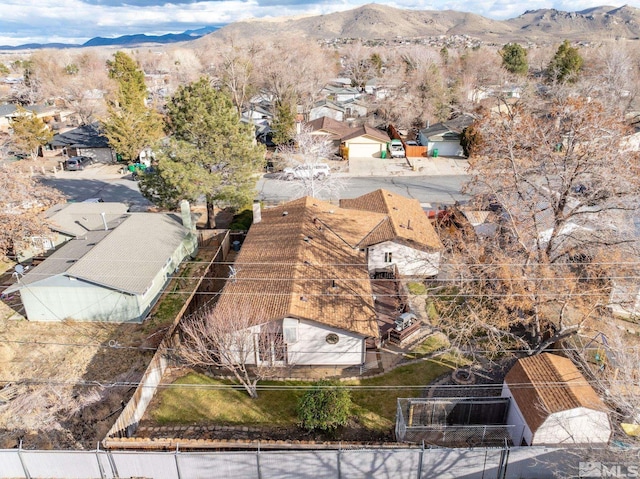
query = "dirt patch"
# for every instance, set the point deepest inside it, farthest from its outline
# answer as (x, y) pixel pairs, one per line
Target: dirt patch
(64, 380)
(65, 383)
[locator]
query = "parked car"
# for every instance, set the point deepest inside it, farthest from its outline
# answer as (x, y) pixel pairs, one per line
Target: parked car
(411, 143)
(318, 171)
(396, 150)
(76, 163)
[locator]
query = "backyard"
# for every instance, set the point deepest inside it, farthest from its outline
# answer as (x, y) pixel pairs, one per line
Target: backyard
(193, 399)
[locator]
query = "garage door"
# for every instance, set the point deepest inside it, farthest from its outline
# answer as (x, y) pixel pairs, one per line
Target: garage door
(446, 148)
(361, 150)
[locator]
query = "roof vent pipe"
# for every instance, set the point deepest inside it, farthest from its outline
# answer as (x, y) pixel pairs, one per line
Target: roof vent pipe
(104, 221)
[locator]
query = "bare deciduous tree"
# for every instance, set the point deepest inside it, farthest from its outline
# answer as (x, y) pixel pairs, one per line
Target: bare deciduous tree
(564, 190)
(247, 346)
(22, 201)
(307, 152)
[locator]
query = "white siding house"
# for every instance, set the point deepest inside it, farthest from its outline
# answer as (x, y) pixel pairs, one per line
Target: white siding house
(298, 275)
(404, 240)
(408, 260)
(313, 343)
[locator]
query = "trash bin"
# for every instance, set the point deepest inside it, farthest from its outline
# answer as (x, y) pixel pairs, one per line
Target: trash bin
(383, 154)
(435, 153)
(236, 245)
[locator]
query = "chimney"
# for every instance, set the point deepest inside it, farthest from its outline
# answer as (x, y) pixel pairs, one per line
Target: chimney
(257, 212)
(185, 213)
(104, 221)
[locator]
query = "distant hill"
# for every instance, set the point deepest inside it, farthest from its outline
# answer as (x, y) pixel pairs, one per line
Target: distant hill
(381, 22)
(125, 40)
(374, 21)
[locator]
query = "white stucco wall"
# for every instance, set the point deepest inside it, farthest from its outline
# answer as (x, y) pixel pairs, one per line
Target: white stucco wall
(624, 300)
(311, 346)
(410, 262)
(574, 426)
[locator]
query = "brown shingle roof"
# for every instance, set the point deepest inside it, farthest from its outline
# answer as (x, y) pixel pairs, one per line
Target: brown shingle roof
(336, 128)
(299, 261)
(407, 220)
(547, 383)
(366, 130)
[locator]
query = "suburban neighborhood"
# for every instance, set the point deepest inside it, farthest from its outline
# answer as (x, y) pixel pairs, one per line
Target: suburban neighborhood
(358, 272)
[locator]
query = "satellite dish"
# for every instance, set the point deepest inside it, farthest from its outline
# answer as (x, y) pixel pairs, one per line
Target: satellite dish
(19, 269)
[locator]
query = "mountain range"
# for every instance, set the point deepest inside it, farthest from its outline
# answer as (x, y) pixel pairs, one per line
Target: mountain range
(375, 21)
(381, 22)
(125, 40)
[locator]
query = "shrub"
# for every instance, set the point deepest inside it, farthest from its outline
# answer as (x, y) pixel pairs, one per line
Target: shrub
(324, 407)
(416, 288)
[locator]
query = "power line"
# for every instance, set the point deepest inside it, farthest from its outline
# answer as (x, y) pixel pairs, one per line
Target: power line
(302, 387)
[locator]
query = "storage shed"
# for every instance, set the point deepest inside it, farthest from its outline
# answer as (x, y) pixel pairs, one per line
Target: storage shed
(554, 402)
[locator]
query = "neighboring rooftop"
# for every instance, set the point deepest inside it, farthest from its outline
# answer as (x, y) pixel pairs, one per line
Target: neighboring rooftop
(126, 257)
(75, 219)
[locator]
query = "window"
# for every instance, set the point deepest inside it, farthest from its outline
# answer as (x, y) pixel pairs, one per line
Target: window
(388, 257)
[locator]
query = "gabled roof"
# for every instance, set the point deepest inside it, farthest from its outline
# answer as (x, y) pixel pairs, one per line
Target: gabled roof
(369, 131)
(450, 129)
(335, 128)
(405, 220)
(86, 136)
(299, 262)
(9, 109)
(327, 104)
(75, 219)
(341, 90)
(546, 384)
(126, 257)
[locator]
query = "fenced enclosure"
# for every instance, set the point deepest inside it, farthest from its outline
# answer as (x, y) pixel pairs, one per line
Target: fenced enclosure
(456, 422)
(378, 463)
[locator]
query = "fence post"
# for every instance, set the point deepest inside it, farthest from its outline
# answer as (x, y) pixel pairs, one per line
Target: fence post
(102, 474)
(175, 457)
(24, 466)
(114, 469)
(258, 461)
(420, 460)
(504, 462)
(338, 458)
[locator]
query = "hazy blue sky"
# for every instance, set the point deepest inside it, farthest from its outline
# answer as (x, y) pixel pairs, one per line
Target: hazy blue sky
(76, 21)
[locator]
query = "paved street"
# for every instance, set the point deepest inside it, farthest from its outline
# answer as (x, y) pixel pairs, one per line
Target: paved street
(99, 181)
(432, 181)
(426, 189)
(429, 180)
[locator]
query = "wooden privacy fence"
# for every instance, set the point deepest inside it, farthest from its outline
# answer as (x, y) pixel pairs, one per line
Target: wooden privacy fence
(409, 150)
(132, 413)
